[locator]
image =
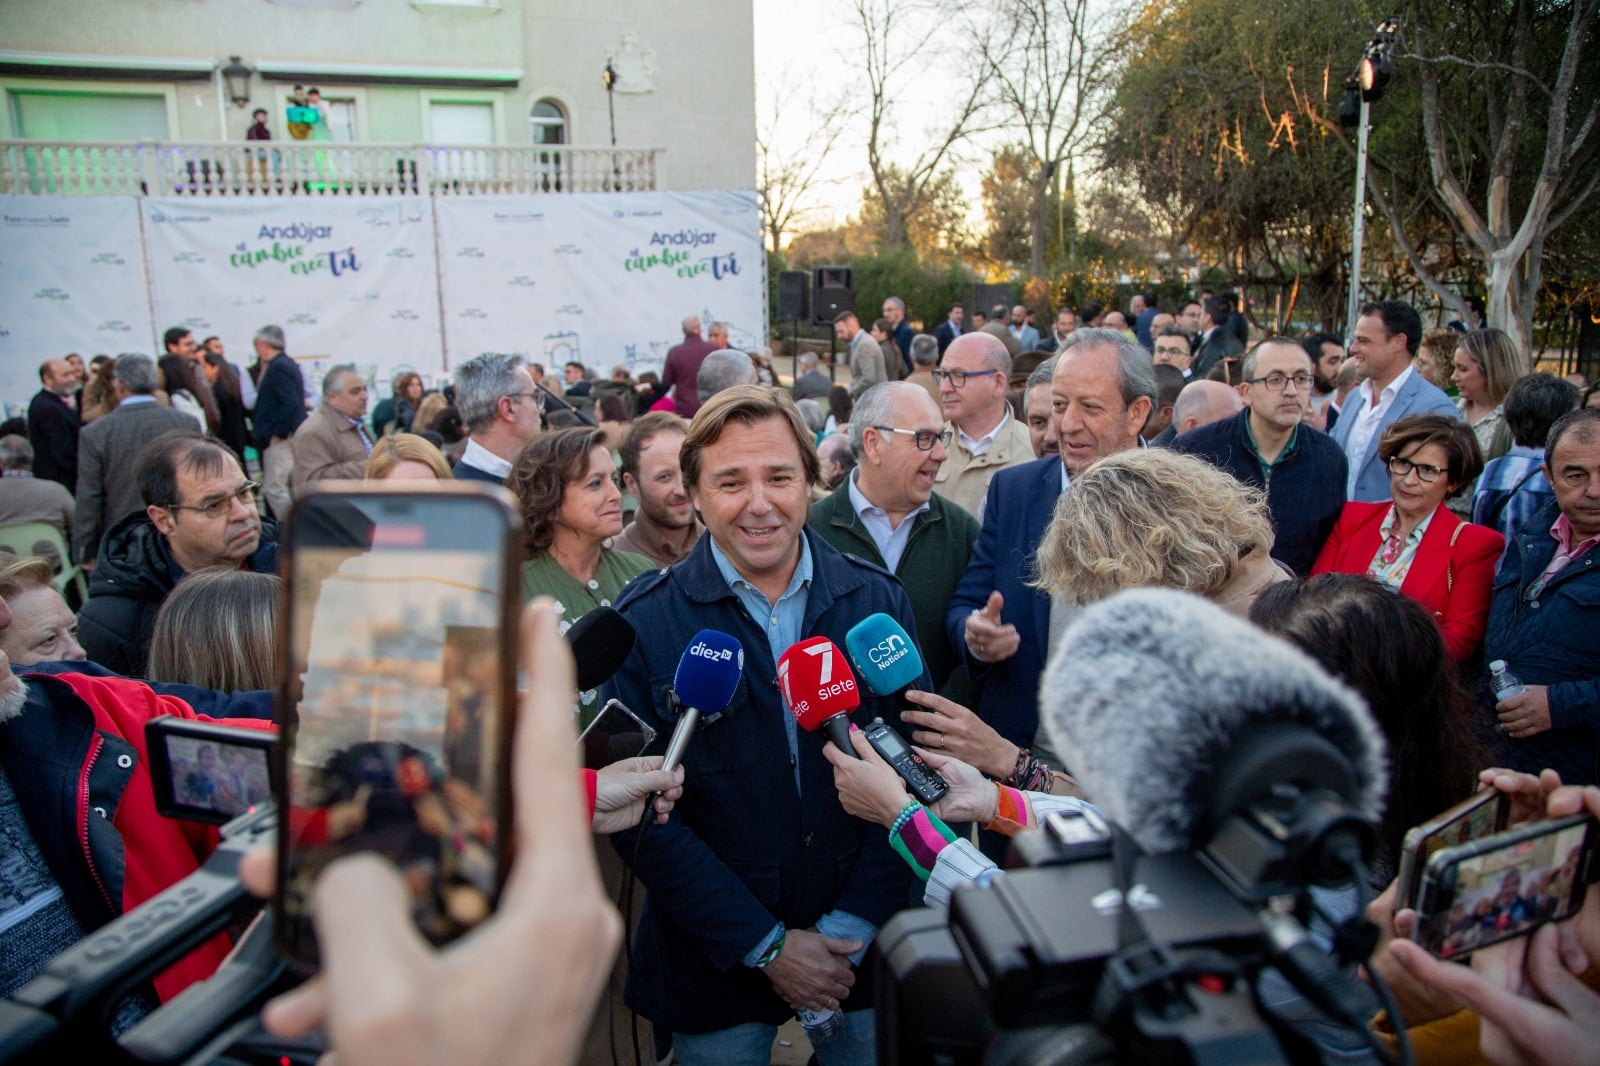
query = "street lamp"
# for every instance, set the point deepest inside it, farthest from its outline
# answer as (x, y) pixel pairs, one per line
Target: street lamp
(236, 81)
(610, 79)
(1371, 78)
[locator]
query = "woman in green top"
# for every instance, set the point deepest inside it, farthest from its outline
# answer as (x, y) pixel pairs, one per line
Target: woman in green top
(571, 505)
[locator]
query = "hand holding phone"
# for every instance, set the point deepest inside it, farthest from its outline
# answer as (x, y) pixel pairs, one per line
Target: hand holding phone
(397, 701)
(1527, 993)
(489, 998)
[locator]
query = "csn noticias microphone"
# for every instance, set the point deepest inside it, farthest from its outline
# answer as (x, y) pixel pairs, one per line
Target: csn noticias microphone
(1195, 730)
(707, 675)
(884, 655)
(601, 642)
(819, 689)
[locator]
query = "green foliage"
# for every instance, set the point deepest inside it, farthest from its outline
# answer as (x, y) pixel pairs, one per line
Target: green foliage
(1005, 204)
(928, 288)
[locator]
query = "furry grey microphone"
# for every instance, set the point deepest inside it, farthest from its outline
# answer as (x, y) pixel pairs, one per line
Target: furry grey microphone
(1150, 690)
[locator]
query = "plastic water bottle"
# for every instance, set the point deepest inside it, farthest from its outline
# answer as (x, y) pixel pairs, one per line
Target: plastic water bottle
(822, 1026)
(1506, 684)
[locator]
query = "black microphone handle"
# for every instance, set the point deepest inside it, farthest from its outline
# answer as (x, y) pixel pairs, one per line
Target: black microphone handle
(565, 403)
(838, 728)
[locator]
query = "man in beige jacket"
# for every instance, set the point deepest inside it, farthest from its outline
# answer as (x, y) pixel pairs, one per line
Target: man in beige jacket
(986, 438)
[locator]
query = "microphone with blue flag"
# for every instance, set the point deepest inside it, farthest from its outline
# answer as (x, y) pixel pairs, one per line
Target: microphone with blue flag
(885, 657)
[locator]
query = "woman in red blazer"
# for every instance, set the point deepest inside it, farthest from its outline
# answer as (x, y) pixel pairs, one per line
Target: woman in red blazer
(1414, 545)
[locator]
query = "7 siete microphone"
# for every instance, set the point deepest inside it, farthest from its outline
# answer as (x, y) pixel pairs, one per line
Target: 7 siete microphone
(820, 690)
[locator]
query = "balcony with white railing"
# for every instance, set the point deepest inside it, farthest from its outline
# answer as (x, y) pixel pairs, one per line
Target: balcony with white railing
(319, 168)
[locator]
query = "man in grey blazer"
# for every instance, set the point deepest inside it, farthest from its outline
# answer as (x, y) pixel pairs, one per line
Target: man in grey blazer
(107, 447)
(1386, 338)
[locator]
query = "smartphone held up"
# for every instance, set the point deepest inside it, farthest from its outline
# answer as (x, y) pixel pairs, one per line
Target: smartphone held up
(397, 704)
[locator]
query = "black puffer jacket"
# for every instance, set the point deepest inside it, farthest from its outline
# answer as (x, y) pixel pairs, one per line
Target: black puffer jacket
(133, 573)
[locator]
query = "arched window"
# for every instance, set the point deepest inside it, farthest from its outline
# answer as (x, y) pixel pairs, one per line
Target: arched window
(548, 123)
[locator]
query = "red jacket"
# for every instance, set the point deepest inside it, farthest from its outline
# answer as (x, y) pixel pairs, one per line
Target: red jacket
(1452, 580)
(77, 752)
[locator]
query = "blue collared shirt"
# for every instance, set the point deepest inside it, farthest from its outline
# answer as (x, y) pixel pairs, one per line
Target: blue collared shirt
(784, 623)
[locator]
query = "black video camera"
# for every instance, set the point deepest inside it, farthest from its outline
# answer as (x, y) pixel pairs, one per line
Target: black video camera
(1093, 951)
(65, 1013)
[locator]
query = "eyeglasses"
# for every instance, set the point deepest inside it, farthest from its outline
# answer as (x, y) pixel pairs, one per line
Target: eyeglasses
(1276, 382)
(923, 438)
(1402, 468)
(958, 378)
(245, 494)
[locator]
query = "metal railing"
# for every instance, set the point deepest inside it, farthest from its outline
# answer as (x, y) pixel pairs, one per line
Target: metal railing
(323, 168)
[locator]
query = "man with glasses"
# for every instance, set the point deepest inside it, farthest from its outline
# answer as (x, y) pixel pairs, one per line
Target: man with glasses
(200, 511)
(887, 512)
(1544, 619)
(501, 410)
(1301, 470)
(334, 442)
(986, 438)
(1172, 349)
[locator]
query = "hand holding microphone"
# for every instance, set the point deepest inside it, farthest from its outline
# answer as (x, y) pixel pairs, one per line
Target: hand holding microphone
(708, 674)
(820, 691)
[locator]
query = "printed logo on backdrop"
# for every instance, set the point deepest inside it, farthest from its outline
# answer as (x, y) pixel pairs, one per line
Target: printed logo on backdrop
(684, 252)
(37, 221)
(113, 325)
(107, 259)
(293, 247)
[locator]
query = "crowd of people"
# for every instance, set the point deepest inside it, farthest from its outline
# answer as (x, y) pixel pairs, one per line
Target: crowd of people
(984, 485)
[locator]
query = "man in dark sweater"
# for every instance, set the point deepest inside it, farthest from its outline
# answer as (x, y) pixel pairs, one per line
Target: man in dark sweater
(280, 408)
(1301, 470)
(887, 513)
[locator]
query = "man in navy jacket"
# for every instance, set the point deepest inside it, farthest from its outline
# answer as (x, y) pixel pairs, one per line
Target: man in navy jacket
(280, 408)
(1301, 470)
(1100, 393)
(1544, 620)
(762, 890)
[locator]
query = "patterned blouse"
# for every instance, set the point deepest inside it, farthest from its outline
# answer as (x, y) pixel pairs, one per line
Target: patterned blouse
(1393, 561)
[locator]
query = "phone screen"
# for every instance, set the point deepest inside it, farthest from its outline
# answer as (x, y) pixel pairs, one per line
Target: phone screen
(614, 734)
(398, 697)
(1507, 891)
(1472, 819)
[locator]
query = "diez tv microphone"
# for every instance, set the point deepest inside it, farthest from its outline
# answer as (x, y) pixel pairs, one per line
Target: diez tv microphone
(708, 673)
(820, 691)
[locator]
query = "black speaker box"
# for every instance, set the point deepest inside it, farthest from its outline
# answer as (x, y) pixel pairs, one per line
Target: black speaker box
(793, 288)
(831, 294)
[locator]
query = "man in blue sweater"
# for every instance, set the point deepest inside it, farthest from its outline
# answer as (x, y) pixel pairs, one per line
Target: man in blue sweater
(1302, 471)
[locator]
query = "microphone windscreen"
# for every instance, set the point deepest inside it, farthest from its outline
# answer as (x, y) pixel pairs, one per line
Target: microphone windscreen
(1148, 692)
(816, 682)
(885, 657)
(601, 642)
(709, 671)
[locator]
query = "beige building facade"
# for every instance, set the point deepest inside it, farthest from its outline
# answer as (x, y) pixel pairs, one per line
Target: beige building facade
(513, 73)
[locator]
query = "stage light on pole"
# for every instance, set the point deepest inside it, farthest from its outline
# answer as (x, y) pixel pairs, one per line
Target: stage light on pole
(1371, 78)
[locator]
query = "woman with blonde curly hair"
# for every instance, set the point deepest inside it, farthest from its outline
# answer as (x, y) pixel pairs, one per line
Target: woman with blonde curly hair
(1148, 517)
(1157, 518)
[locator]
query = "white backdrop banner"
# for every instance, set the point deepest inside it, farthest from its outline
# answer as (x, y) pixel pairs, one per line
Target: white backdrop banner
(603, 279)
(71, 279)
(350, 279)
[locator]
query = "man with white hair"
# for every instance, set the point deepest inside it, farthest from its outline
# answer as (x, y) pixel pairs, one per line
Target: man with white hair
(812, 384)
(280, 408)
(887, 512)
(723, 369)
(1101, 391)
(499, 408)
(334, 441)
(682, 367)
